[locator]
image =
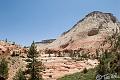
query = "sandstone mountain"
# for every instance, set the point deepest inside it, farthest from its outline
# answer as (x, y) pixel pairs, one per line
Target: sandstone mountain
(88, 33)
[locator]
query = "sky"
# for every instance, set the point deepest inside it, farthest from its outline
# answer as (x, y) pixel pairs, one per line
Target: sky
(25, 21)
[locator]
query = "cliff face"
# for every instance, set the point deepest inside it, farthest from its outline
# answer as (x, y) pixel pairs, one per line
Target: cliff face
(87, 33)
(43, 43)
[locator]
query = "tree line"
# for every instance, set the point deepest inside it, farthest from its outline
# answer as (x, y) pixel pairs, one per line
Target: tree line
(33, 69)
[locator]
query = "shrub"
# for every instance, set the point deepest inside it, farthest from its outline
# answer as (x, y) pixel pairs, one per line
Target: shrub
(85, 70)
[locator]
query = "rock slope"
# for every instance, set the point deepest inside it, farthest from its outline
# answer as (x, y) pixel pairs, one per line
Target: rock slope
(88, 33)
(7, 48)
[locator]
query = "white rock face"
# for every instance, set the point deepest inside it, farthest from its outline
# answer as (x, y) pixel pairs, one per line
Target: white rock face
(88, 33)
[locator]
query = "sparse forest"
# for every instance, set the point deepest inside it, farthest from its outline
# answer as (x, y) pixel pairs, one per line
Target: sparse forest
(109, 64)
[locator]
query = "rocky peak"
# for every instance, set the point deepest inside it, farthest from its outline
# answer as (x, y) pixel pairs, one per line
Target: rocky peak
(97, 17)
(89, 32)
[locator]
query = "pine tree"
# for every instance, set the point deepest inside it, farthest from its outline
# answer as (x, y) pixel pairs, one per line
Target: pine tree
(34, 66)
(19, 75)
(6, 40)
(97, 54)
(4, 68)
(101, 68)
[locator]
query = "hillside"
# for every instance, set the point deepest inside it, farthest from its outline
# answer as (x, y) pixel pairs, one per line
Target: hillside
(7, 48)
(14, 54)
(88, 33)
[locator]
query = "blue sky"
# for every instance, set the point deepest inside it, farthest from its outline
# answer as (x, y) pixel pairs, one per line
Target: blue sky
(23, 21)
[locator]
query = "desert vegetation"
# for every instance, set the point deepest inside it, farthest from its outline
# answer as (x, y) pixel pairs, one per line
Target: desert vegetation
(109, 64)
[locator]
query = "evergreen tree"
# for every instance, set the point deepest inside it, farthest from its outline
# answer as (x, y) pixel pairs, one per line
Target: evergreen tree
(19, 75)
(101, 68)
(34, 66)
(97, 54)
(4, 68)
(6, 40)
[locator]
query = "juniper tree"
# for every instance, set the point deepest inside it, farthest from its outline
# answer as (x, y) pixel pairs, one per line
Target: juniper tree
(3, 68)
(34, 66)
(6, 40)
